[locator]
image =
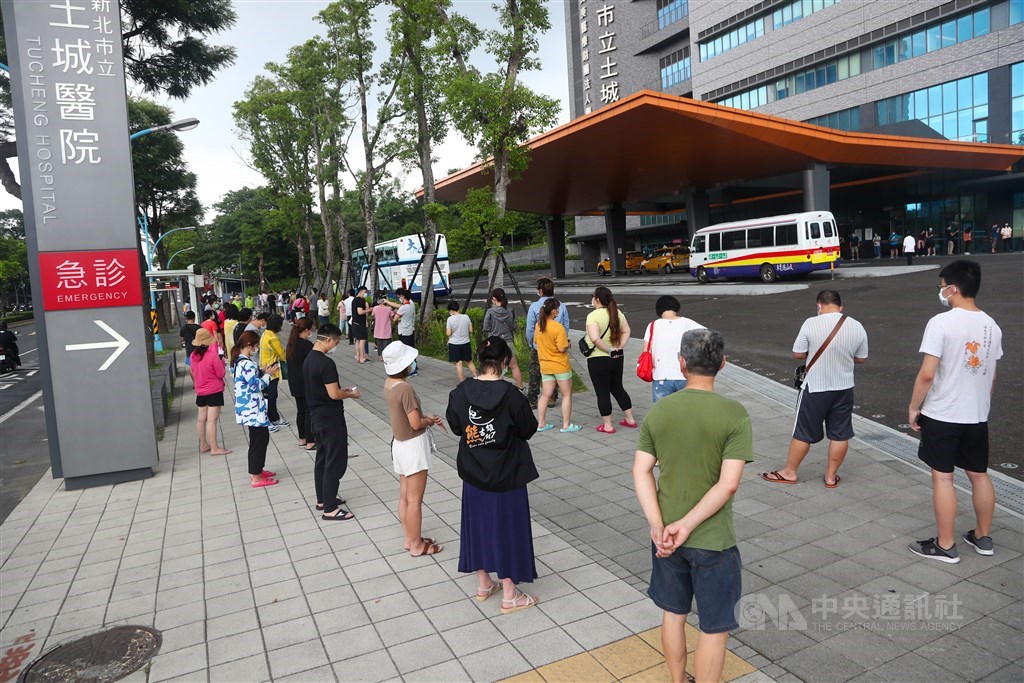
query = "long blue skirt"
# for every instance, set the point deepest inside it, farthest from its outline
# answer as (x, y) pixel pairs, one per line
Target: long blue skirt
(496, 534)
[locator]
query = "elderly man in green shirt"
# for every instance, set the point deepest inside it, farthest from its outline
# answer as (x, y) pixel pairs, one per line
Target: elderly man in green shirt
(689, 508)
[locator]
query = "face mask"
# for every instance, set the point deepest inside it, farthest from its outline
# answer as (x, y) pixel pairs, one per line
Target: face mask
(942, 299)
(412, 370)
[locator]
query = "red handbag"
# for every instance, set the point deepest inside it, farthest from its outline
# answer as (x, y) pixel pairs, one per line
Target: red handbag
(645, 363)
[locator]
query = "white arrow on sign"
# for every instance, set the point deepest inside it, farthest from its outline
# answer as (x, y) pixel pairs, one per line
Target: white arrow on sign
(119, 345)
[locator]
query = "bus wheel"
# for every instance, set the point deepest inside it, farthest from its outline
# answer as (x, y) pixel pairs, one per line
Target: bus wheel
(768, 273)
(702, 275)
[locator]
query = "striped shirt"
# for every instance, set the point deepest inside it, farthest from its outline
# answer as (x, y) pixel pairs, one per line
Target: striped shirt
(833, 371)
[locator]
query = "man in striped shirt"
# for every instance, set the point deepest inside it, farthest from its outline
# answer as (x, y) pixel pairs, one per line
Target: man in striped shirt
(826, 398)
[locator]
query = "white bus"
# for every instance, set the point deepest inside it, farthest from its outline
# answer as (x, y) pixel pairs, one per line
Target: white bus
(398, 260)
(767, 248)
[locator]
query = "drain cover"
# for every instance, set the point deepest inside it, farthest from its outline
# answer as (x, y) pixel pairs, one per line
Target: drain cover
(98, 658)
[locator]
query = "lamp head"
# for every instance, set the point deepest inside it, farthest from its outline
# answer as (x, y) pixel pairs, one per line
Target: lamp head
(184, 124)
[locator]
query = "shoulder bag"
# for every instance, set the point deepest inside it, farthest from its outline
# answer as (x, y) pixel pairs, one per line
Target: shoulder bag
(645, 363)
(586, 348)
(801, 372)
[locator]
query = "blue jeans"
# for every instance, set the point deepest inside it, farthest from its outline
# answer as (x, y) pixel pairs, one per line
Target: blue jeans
(660, 388)
(714, 578)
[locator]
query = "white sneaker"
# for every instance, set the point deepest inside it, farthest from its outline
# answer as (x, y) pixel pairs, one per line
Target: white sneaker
(273, 427)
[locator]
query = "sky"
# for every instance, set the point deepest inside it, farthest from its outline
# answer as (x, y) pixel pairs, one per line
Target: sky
(264, 32)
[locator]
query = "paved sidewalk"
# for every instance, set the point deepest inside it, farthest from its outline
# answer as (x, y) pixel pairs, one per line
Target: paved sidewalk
(250, 585)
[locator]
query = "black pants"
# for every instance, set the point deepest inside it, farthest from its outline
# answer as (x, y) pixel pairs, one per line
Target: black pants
(606, 376)
(349, 325)
(331, 434)
(408, 339)
(271, 393)
(910, 257)
(302, 418)
(259, 438)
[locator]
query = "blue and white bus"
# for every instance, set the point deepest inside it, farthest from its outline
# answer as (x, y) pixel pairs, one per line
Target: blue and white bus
(398, 260)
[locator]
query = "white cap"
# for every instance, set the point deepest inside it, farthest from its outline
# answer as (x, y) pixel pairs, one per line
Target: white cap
(397, 357)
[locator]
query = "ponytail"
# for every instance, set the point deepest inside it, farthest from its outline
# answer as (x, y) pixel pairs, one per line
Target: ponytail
(604, 295)
(545, 313)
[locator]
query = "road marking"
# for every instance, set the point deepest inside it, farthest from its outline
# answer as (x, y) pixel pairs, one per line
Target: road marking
(25, 353)
(6, 416)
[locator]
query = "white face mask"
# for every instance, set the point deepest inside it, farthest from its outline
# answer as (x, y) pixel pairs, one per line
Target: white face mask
(944, 300)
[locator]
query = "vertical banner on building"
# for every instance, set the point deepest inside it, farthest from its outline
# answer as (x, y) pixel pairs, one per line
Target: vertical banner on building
(71, 119)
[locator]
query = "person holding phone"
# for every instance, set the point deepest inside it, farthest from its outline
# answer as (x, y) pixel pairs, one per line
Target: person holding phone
(251, 405)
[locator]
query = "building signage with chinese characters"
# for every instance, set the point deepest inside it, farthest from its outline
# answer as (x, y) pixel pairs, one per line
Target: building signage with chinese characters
(71, 119)
(603, 47)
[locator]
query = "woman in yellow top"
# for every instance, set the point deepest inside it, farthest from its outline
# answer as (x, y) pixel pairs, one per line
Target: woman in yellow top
(271, 353)
(230, 321)
(608, 332)
(553, 353)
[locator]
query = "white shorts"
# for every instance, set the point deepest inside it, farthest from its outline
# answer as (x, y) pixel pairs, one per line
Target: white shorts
(414, 455)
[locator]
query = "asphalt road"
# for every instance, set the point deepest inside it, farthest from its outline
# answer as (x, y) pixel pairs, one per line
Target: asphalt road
(24, 455)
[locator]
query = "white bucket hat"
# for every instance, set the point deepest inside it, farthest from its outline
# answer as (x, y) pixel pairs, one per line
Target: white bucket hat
(397, 357)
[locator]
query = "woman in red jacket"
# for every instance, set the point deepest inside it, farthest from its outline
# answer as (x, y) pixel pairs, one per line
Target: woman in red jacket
(208, 373)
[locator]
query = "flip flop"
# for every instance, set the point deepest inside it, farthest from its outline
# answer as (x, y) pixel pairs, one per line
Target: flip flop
(341, 501)
(627, 423)
(267, 474)
(341, 516)
(545, 428)
(775, 478)
(605, 430)
(264, 482)
(310, 447)
(831, 486)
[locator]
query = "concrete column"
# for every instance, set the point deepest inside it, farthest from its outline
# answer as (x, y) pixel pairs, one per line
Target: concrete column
(816, 189)
(698, 213)
(555, 228)
(615, 232)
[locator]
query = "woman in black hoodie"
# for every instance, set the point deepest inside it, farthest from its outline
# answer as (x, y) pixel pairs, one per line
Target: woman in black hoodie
(500, 321)
(494, 422)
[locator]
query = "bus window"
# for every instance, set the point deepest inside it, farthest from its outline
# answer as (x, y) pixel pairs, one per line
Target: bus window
(828, 229)
(715, 241)
(815, 232)
(761, 237)
(698, 244)
(786, 234)
(734, 239)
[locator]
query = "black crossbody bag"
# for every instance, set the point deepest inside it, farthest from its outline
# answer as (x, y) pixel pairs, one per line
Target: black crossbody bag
(801, 372)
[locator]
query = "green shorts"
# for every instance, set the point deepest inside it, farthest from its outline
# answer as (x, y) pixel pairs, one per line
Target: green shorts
(556, 376)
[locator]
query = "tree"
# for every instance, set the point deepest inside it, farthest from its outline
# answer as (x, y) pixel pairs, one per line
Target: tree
(13, 258)
(166, 50)
(494, 111)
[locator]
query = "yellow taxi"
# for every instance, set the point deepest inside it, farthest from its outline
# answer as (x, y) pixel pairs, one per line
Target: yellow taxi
(667, 260)
(633, 261)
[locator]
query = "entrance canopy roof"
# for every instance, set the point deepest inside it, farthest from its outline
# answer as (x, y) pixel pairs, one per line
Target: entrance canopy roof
(649, 148)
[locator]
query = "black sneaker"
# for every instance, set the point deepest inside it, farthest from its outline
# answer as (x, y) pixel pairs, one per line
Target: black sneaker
(983, 545)
(931, 550)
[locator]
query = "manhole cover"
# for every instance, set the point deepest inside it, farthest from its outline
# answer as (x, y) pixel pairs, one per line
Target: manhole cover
(106, 656)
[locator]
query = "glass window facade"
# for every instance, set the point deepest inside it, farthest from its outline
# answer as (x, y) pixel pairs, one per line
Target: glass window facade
(1016, 11)
(795, 11)
(847, 119)
(671, 11)
(734, 38)
(751, 99)
(661, 219)
(957, 110)
(675, 68)
(818, 76)
(1017, 104)
(931, 38)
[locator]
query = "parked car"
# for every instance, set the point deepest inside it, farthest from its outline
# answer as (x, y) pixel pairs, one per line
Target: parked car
(667, 260)
(633, 261)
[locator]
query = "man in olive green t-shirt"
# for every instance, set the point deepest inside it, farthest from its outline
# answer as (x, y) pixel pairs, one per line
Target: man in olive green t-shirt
(701, 458)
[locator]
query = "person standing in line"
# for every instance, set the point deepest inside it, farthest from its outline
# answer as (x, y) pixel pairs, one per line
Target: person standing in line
(689, 507)
(545, 290)
(553, 352)
(894, 244)
(272, 353)
(324, 396)
(950, 405)
(1006, 238)
(994, 237)
(230, 325)
(257, 324)
(951, 236)
(608, 331)
(251, 406)
(968, 240)
(876, 242)
(346, 315)
(187, 334)
(854, 247)
(360, 307)
(458, 328)
(494, 422)
(667, 333)
(323, 309)
(909, 246)
(208, 376)
(382, 330)
(929, 242)
(405, 315)
(827, 392)
(295, 352)
(500, 321)
(244, 318)
(412, 449)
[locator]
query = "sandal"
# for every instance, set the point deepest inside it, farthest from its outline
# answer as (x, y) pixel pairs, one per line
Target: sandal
(605, 430)
(320, 506)
(264, 482)
(626, 423)
(428, 548)
(545, 428)
(776, 478)
(310, 447)
(570, 428)
(509, 606)
(267, 474)
(832, 485)
(481, 596)
(342, 515)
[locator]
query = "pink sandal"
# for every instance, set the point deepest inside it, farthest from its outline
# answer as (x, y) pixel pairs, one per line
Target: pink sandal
(264, 482)
(267, 474)
(626, 423)
(605, 430)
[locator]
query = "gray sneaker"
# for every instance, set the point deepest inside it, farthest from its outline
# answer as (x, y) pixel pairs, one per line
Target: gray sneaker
(931, 550)
(982, 545)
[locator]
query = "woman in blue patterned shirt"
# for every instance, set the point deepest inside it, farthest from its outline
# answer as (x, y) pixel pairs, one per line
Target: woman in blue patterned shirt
(251, 405)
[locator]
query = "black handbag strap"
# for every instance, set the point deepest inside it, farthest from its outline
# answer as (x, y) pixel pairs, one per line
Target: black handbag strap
(594, 344)
(828, 340)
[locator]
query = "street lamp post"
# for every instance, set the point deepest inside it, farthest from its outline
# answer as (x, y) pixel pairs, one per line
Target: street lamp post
(178, 126)
(175, 254)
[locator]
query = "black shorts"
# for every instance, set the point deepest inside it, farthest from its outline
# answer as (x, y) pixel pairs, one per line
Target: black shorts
(457, 352)
(358, 331)
(211, 400)
(945, 445)
(833, 408)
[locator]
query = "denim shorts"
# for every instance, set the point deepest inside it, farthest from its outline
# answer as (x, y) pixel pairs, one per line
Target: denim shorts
(660, 388)
(713, 577)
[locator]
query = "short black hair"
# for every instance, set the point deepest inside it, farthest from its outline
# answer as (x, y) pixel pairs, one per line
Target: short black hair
(666, 303)
(453, 305)
(274, 323)
(546, 286)
(494, 354)
(245, 314)
(362, 289)
(329, 330)
(829, 297)
(191, 315)
(966, 275)
(262, 316)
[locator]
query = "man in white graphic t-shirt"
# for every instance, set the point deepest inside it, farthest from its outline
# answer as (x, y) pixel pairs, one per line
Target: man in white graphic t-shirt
(826, 397)
(950, 404)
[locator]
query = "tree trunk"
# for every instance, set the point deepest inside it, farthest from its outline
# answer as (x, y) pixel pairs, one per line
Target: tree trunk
(424, 147)
(307, 224)
(501, 183)
(325, 213)
(8, 180)
(302, 261)
(367, 201)
(259, 268)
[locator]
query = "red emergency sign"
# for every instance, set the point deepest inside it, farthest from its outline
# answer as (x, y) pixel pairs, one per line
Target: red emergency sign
(90, 279)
